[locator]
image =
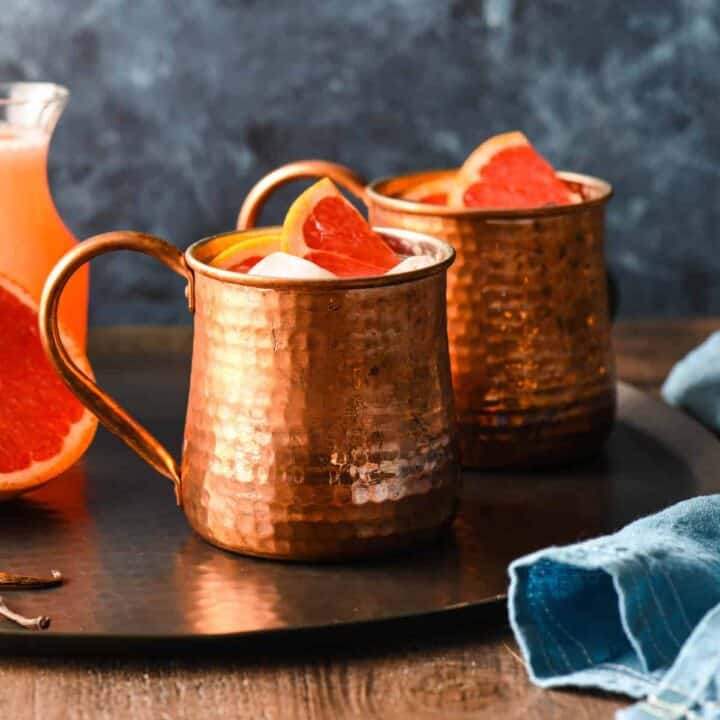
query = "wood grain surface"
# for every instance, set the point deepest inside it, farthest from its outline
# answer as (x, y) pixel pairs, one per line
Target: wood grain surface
(465, 666)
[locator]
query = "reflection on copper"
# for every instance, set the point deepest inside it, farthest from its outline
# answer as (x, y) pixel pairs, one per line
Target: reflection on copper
(221, 594)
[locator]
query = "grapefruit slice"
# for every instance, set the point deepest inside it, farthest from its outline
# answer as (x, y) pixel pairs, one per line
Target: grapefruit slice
(506, 172)
(430, 192)
(44, 429)
(243, 255)
(323, 227)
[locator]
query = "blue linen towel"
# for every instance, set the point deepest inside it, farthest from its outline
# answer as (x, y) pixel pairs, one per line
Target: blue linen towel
(694, 383)
(636, 612)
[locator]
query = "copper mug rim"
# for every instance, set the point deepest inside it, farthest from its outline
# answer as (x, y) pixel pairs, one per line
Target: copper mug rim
(376, 193)
(601, 191)
(443, 252)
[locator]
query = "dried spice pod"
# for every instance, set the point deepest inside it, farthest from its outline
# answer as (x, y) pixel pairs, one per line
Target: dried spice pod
(37, 623)
(10, 581)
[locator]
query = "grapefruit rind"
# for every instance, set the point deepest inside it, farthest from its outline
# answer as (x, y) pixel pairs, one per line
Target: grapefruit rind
(293, 240)
(345, 245)
(429, 188)
(486, 151)
(38, 474)
(471, 169)
(77, 440)
(246, 247)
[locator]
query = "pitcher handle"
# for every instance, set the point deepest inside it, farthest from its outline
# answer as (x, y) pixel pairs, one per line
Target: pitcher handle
(303, 169)
(110, 414)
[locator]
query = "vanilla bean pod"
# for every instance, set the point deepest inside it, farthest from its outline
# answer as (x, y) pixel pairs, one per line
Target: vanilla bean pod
(9, 581)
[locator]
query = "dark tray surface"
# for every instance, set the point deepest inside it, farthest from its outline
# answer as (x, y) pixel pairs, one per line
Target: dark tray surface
(137, 572)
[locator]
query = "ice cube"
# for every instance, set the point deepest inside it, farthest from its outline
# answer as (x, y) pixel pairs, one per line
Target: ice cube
(284, 265)
(414, 262)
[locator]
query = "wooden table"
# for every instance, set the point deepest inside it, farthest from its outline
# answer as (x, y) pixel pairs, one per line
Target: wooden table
(461, 666)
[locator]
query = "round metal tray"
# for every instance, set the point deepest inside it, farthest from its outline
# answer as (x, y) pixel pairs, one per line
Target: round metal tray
(136, 572)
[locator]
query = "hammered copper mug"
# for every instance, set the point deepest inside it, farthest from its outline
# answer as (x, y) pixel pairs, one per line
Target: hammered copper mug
(320, 420)
(528, 320)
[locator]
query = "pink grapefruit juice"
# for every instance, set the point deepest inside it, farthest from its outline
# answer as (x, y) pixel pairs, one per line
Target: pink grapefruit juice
(33, 237)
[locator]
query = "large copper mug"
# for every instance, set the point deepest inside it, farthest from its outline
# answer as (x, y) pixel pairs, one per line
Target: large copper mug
(320, 420)
(528, 323)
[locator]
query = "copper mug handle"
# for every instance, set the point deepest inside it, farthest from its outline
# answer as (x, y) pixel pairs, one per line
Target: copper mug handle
(110, 414)
(344, 177)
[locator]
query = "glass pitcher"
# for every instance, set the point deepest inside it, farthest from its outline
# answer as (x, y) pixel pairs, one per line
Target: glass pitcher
(34, 236)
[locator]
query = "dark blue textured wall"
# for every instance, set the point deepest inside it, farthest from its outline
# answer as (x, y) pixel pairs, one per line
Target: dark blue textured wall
(180, 105)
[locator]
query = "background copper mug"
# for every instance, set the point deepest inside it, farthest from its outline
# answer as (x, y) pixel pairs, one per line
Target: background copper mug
(528, 323)
(320, 420)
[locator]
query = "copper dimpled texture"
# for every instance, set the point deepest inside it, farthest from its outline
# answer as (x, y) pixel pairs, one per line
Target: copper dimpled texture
(320, 422)
(528, 324)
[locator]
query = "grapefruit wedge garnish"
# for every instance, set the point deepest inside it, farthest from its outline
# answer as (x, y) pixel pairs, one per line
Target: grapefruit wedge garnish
(323, 227)
(506, 172)
(431, 192)
(43, 428)
(247, 252)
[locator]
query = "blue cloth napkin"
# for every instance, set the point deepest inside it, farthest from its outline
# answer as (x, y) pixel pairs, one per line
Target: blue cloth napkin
(694, 383)
(637, 612)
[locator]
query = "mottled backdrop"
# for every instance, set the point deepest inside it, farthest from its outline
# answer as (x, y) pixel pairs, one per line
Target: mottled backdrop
(179, 106)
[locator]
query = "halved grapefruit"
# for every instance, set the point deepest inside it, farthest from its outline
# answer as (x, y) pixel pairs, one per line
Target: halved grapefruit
(323, 227)
(43, 428)
(247, 252)
(506, 172)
